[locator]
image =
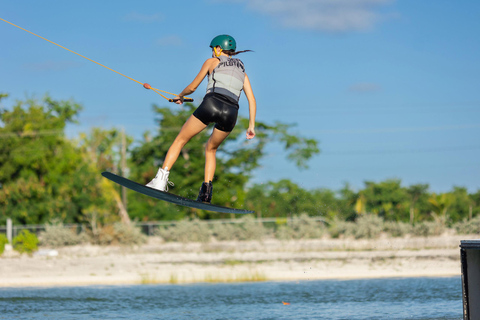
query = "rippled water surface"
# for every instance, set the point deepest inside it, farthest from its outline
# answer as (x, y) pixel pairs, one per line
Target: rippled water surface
(410, 298)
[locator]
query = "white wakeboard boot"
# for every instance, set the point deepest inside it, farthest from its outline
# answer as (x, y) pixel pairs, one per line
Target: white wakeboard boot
(160, 182)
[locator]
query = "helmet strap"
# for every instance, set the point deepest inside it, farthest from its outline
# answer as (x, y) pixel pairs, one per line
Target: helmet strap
(217, 54)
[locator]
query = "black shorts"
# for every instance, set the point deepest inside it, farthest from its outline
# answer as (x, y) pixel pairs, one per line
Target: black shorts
(218, 109)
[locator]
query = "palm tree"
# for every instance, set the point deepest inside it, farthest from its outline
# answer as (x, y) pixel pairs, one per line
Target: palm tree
(440, 204)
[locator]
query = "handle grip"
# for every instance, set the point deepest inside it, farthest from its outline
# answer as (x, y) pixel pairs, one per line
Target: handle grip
(184, 100)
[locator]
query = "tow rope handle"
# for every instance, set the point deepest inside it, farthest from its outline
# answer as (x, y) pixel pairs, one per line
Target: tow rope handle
(184, 100)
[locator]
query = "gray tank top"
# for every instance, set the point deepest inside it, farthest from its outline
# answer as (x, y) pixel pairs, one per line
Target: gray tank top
(227, 78)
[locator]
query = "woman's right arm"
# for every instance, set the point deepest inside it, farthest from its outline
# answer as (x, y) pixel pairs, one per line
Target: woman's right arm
(252, 107)
(198, 79)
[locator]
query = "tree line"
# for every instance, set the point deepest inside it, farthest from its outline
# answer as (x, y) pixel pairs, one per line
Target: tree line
(45, 176)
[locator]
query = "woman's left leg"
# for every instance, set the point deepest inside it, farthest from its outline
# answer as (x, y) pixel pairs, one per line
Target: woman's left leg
(213, 143)
(192, 127)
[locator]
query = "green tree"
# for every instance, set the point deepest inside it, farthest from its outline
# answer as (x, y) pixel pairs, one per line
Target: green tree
(387, 199)
(43, 175)
(282, 199)
(285, 199)
(461, 204)
(237, 158)
(327, 203)
(348, 201)
(474, 208)
(416, 192)
(258, 199)
(103, 148)
(440, 205)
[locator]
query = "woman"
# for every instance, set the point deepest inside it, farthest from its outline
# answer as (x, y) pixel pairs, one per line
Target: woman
(226, 80)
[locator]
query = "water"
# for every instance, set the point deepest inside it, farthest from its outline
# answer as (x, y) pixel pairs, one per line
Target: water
(411, 298)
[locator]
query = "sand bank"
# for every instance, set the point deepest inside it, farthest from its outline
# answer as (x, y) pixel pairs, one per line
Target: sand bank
(269, 260)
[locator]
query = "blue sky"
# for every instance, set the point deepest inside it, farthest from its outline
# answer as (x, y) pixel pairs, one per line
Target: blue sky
(391, 89)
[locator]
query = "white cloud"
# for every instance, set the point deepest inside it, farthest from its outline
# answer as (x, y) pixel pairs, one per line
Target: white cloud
(322, 15)
(170, 41)
(144, 18)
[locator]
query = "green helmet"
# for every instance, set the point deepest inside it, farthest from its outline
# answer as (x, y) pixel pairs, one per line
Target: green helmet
(224, 41)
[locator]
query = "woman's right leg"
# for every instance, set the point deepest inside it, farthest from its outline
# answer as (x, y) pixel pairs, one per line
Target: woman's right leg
(217, 137)
(191, 128)
(213, 143)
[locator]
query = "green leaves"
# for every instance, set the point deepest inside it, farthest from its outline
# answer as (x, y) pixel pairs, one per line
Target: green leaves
(32, 135)
(3, 242)
(43, 175)
(25, 242)
(299, 149)
(387, 199)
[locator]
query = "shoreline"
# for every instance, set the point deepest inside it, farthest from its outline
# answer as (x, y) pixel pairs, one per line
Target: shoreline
(237, 261)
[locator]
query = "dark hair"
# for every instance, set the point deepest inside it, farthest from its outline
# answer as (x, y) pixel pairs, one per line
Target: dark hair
(234, 53)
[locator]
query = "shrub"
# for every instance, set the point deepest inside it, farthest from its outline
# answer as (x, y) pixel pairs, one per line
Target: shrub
(224, 232)
(397, 229)
(119, 233)
(368, 226)
(3, 242)
(305, 227)
(26, 242)
(301, 227)
(128, 235)
(104, 236)
(284, 232)
(57, 235)
(250, 229)
(186, 231)
(339, 228)
(429, 228)
(468, 226)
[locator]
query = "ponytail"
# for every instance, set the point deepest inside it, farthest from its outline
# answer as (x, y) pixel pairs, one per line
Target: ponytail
(234, 53)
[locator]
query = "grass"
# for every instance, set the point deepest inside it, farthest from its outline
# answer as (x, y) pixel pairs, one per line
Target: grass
(233, 262)
(173, 279)
(255, 276)
(244, 277)
(146, 278)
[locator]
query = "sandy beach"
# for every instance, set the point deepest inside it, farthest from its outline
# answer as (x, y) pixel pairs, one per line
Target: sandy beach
(268, 260)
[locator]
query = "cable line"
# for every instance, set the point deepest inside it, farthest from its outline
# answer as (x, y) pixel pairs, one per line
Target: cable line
(145, 85)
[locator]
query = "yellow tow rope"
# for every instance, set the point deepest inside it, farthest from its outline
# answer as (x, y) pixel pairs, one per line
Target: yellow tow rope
(145, 85)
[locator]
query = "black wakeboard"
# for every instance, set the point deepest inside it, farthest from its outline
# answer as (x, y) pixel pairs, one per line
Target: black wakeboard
(169, 197)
